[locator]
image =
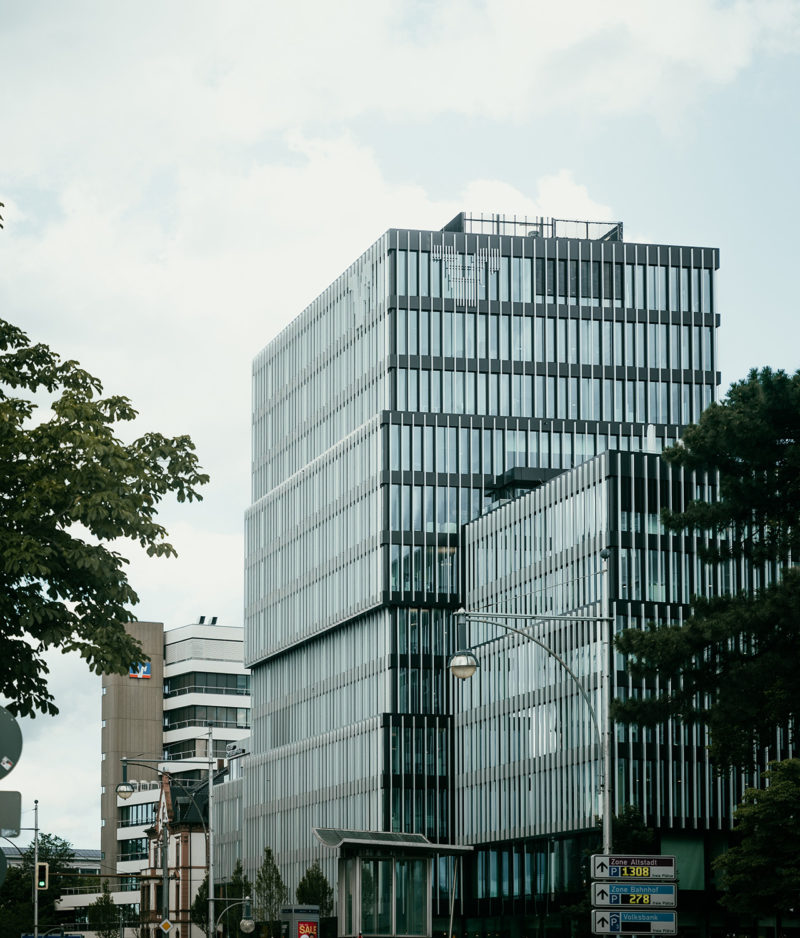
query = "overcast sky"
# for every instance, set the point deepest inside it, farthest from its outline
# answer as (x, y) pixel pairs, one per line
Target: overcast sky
(181, 179)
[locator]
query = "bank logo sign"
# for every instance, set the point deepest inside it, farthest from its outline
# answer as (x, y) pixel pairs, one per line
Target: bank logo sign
(140, 670)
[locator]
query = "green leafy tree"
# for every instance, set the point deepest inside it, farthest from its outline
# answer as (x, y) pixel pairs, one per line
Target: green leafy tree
(314, 889)
(55, 851)
(16, 906)
(270, 894)
(732, 665)
(226, 895)
(629, 832)
(58, 854)
(69, 487)
(761, 876)
(103, 915)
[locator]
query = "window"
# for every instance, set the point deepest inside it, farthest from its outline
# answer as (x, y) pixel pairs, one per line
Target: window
(401, 272)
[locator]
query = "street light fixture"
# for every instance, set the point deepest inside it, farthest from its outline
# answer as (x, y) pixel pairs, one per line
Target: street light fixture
(125, 789)
(246, 923)
(464, 664)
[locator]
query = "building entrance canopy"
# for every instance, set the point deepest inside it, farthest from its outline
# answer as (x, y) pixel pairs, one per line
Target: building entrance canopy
(367, 842)
(385, 881)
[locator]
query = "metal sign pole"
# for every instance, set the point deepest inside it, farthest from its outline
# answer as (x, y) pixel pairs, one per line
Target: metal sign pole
(607, 686)
(210, 754)
(35, 868)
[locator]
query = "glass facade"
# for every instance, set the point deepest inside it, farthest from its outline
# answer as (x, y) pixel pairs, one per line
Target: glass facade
(136, 814)
(441, 373)
(527, 766)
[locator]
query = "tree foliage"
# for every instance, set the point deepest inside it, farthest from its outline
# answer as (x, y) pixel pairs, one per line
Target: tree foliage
(752, 439)
(629, 832)
(16, 907)
(69, 487)
(226, 897)
(199, 910)
(229, 897)
(732, 665)
(103, 915)
(761, 876)
(270, 893)
(314, 889)
(55, 851)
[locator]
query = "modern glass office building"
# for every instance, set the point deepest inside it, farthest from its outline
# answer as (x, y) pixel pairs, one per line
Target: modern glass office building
(528, 759)
(442, 373)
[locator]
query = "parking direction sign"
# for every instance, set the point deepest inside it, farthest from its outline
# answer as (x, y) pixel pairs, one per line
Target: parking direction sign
(638, 923)
(633, 867)
(611, 895)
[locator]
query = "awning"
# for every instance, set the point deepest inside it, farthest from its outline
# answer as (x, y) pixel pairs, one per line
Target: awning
(337, 837)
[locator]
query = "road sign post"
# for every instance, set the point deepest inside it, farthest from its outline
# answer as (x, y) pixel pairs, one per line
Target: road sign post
(611, 895)
(605, 922)
(633, 867)
(628, 888)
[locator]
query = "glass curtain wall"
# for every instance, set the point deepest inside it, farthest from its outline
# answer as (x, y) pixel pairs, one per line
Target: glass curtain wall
(408, 400)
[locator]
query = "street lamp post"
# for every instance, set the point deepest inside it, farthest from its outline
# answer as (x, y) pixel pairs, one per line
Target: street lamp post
(246, 923)
(125, 790)
(463, 665)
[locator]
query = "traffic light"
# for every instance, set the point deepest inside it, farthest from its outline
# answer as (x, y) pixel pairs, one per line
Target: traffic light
(42, 875)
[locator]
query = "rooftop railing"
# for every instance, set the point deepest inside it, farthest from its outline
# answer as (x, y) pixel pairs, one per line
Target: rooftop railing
(535, 227)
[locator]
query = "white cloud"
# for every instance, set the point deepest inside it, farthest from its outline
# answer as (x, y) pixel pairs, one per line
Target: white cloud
(557, 195)
(156, 85)
(60, 761)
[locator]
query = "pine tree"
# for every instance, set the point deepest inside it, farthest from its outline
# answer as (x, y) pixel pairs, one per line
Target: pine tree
(314, 889)
(199, 910)
(732, 665)
(103, 915)
(270, 893)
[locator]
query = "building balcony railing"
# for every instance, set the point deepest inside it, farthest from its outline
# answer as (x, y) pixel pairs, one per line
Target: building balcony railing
(137, 823)
(125, 886)
(223, 724)
(126, 857)
(205, 689)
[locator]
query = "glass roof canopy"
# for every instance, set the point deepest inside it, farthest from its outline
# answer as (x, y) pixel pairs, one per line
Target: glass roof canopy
(353, 840)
